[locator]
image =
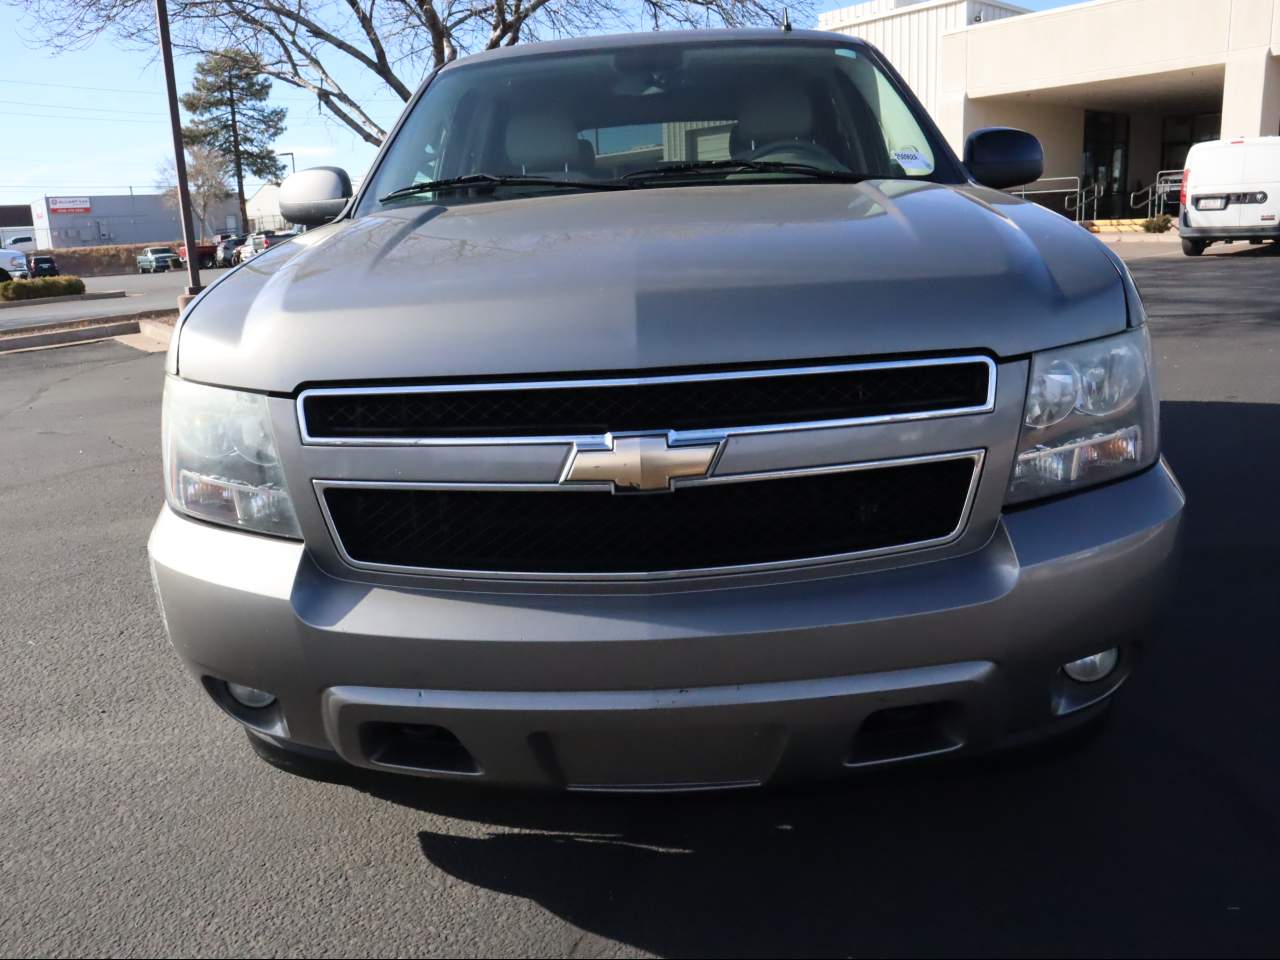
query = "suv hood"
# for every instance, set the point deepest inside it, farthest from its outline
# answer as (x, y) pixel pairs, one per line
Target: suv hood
(654, 278)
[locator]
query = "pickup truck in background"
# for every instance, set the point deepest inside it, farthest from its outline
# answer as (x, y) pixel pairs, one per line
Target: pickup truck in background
(13, 264)
(158, 260)
(206, 254)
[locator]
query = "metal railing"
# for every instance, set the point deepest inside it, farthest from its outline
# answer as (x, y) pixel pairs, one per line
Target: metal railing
(1155, 198)
(1066, 187)
(1142, 199)
(1088, 195)
(1167, 191)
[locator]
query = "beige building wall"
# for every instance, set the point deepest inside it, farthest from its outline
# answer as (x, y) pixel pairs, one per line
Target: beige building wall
(1059, 129)
(1150, 60)
(908, 33)
(1144, 58)
(1142, 48)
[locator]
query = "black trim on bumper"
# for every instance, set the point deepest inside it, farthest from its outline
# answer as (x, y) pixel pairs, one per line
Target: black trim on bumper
(1256, 232)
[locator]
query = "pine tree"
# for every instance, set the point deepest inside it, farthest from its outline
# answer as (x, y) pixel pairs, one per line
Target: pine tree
(228, 105)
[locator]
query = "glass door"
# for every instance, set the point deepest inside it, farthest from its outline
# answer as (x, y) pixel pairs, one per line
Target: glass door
(1106, 161)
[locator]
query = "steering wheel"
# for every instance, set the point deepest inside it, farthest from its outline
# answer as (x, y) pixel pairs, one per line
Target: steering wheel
(800, 151)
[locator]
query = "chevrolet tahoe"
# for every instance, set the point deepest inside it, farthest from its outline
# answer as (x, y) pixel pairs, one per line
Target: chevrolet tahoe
(665, 412)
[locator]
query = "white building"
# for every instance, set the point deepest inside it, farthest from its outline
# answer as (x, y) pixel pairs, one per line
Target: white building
(263, 209)
(1116, 90)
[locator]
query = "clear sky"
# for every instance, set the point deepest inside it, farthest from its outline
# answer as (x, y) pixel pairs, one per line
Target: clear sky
(94, 121)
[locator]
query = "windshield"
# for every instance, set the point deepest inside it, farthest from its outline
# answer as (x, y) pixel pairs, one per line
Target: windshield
(633, 113)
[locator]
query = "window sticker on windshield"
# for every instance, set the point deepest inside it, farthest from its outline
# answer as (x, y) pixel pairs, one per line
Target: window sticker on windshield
(912, 161)
(846, 52)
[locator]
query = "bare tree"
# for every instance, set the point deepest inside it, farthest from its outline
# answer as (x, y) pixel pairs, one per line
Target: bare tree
(307, 43)
(207, 174)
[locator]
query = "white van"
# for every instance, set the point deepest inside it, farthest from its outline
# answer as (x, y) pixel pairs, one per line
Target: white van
(1230, 191)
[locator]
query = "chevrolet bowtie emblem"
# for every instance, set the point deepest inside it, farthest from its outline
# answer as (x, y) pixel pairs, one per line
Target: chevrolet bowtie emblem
(640, 463)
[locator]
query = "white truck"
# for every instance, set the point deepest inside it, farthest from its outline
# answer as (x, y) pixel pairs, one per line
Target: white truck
(13, 264)
(1230, 191)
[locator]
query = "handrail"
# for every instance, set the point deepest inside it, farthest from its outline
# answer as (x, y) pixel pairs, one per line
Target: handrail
(1145, 204)
(1166, 182)
(1157, 192)
(1070, 190)
(1090, 194)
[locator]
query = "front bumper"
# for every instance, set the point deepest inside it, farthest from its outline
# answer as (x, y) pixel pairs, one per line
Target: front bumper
(679, 687)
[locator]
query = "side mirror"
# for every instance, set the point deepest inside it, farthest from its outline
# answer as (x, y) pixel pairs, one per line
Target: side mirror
(1002, 157)
(315, 196)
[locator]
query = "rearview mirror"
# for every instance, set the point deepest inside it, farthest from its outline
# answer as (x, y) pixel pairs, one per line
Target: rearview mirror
(314, 196)
(1002, 157)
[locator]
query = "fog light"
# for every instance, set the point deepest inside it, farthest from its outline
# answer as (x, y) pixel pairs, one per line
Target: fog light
(1092, 668)
(250, 697)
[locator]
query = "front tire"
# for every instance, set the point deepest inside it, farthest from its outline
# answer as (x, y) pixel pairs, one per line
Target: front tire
(206, 262)
(1193, 248)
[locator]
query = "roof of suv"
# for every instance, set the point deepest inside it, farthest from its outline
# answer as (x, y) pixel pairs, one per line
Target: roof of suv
(652, 39)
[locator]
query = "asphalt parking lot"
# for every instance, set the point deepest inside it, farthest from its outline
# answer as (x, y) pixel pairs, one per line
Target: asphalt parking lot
(134, 819)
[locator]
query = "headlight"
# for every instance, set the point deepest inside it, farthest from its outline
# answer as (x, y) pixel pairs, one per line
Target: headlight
(220, 459)
(1091, 415)
(18, 263)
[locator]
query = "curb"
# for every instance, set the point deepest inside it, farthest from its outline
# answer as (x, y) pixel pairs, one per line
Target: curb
(41, 301)
(158, 329)
(98, 328)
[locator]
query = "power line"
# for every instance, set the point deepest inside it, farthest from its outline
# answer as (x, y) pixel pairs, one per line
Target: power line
(292, 122)
(64, 116)
(72, 106)
(73, 86)
(121, 186)
(303, 98)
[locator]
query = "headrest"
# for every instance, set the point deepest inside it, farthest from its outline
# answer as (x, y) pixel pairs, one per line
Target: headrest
(541, 141)
(781, 112)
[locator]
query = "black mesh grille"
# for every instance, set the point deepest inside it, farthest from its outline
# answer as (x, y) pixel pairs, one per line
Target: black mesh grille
(712, 525)
(686, 405)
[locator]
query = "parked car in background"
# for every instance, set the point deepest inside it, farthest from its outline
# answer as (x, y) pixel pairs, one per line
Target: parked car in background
(225, 254)
(158, 260)
(791, 447)
(26, 243)
(43, 266)
(1230, 191)
(253, 244)
(13, 264)
(206, 254)
(273, 237)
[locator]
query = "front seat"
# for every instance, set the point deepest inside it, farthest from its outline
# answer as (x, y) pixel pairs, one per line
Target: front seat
(543, 144)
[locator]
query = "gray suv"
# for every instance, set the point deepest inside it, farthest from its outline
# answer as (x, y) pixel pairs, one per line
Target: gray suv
(665, 412)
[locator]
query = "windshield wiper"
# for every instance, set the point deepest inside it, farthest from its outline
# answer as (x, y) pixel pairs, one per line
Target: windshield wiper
(493, 180)
(695, 167)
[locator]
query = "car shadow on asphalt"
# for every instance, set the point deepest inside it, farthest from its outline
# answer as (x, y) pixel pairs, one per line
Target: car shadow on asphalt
(1160, 836)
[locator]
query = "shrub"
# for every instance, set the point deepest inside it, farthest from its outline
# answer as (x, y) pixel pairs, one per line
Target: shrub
(1160, 224)
(41, 287)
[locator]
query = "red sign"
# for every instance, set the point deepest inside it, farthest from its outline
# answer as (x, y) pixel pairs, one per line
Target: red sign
(70, 205)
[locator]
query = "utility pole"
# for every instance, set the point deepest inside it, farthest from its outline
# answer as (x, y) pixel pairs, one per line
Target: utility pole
(235, 152)
(179, 157)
